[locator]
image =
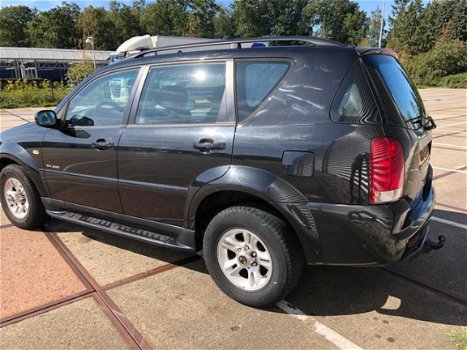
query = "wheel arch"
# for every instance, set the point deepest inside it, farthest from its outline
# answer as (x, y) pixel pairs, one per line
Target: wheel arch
(257, 187)
(33, 173)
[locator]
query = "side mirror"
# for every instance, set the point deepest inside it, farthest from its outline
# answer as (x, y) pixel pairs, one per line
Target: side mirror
(46, 118)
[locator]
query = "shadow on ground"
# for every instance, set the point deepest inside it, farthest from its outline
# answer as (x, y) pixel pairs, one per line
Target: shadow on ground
(334, 291)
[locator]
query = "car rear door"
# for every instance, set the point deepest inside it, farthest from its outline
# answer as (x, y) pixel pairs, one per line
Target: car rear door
(182, 127)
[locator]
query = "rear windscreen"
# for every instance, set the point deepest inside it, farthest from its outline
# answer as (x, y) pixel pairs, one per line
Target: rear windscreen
(399, 85)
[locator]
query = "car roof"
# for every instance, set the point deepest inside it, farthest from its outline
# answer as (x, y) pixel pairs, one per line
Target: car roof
(263, 52)
(211, 50)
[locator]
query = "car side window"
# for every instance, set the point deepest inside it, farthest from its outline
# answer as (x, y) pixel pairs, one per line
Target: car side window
(255, 80)
(184, 94)
(103, 101)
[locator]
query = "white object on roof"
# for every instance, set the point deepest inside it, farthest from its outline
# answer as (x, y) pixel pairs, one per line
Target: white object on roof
(139, 43)
(136, 43)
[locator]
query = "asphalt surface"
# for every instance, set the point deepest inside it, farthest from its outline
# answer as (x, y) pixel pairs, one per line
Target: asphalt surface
(69, 287)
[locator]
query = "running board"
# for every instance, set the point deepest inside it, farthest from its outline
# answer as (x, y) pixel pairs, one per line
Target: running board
(137, 233)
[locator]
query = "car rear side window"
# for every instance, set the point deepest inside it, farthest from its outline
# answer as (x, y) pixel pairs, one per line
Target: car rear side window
(184, 94)
(354, 102)
(255, 80)
(398, 83)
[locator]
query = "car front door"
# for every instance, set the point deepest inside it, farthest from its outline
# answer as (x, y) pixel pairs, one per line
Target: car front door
(80, 158)
(183, 125)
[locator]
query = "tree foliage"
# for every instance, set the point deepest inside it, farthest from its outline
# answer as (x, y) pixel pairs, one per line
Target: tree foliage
(415, 29)
(165, 17)
(95, 22)
(269, 17)
(79, 71)
(13, 23)
(423, 33)
(340, 20)
(223, 24)
(374, 27)
(55, 28)
(448, 57)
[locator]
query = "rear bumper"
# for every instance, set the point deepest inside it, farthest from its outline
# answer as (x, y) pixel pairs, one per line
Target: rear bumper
(372, 235)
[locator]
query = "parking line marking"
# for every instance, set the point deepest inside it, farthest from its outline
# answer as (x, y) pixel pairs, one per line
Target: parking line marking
(460, 132)
(449, 222)
(444, 126)
(449, 145)
(15, 115)
(446, 169)
(328, 333)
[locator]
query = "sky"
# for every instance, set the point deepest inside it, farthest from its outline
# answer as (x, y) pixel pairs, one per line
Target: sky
(367, 5)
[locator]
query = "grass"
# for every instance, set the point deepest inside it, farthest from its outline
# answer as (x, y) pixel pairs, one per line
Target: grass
(455, 81)
(459, 338)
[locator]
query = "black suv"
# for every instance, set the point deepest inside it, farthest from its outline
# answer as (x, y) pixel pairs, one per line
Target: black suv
(258, 158)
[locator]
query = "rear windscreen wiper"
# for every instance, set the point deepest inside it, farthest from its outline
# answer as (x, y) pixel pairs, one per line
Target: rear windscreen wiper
(426, 122)
(430, 124)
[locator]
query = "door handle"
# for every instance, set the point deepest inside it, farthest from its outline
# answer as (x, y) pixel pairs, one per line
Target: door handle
(207, 145)
(102, 144)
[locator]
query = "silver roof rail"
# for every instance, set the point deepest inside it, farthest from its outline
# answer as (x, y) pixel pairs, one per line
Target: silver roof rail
(237, 43)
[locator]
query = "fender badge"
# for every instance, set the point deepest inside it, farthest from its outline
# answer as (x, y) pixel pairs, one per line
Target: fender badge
(35, 151)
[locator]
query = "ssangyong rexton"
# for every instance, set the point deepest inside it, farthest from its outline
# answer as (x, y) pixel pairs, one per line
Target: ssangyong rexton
(260, 159)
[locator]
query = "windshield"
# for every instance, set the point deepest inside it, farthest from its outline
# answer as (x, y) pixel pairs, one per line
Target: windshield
(400, 86)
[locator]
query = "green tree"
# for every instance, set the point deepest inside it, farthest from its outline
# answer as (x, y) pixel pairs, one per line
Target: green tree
(251, 18)
(13, 24)
(408, 30)
(94, 22)
(340, 20)
(448, 57)
(374, 27)
(79, 71)
(165, 17)
(438, 14)
(269, 17)
(201, 16)
(125, 19)
(56, 27)
(223, 24)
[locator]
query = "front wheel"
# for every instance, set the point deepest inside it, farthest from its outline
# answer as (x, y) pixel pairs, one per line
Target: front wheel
(252, 255)
(20, 200)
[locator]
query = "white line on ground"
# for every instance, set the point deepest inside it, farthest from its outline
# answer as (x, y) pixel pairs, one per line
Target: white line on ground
(444, 126)
(449, 222)
(449, 145)
(328, 333)
(454, 170)
(449, 130)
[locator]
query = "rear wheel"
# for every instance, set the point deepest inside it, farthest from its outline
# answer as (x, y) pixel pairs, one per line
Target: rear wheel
(252, 255)
(20, 200)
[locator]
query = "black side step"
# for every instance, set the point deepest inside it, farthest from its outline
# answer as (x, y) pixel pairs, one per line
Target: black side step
(137, 233)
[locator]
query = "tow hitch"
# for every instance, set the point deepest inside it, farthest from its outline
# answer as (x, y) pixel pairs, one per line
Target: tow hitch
(432, 245)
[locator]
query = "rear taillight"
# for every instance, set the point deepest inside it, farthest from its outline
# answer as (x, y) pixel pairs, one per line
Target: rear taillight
(386, 170)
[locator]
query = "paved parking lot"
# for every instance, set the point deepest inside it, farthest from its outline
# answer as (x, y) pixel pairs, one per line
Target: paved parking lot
(69, 287)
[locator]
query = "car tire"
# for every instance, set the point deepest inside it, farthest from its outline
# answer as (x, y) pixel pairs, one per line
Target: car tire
(20, 199)
(252, 255)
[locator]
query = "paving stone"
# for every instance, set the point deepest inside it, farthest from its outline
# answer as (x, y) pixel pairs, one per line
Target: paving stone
(33, 273)
(183, 309)
(377, 310)
(109, 258)
(436, 269)
(80, 325)
(448, 193)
